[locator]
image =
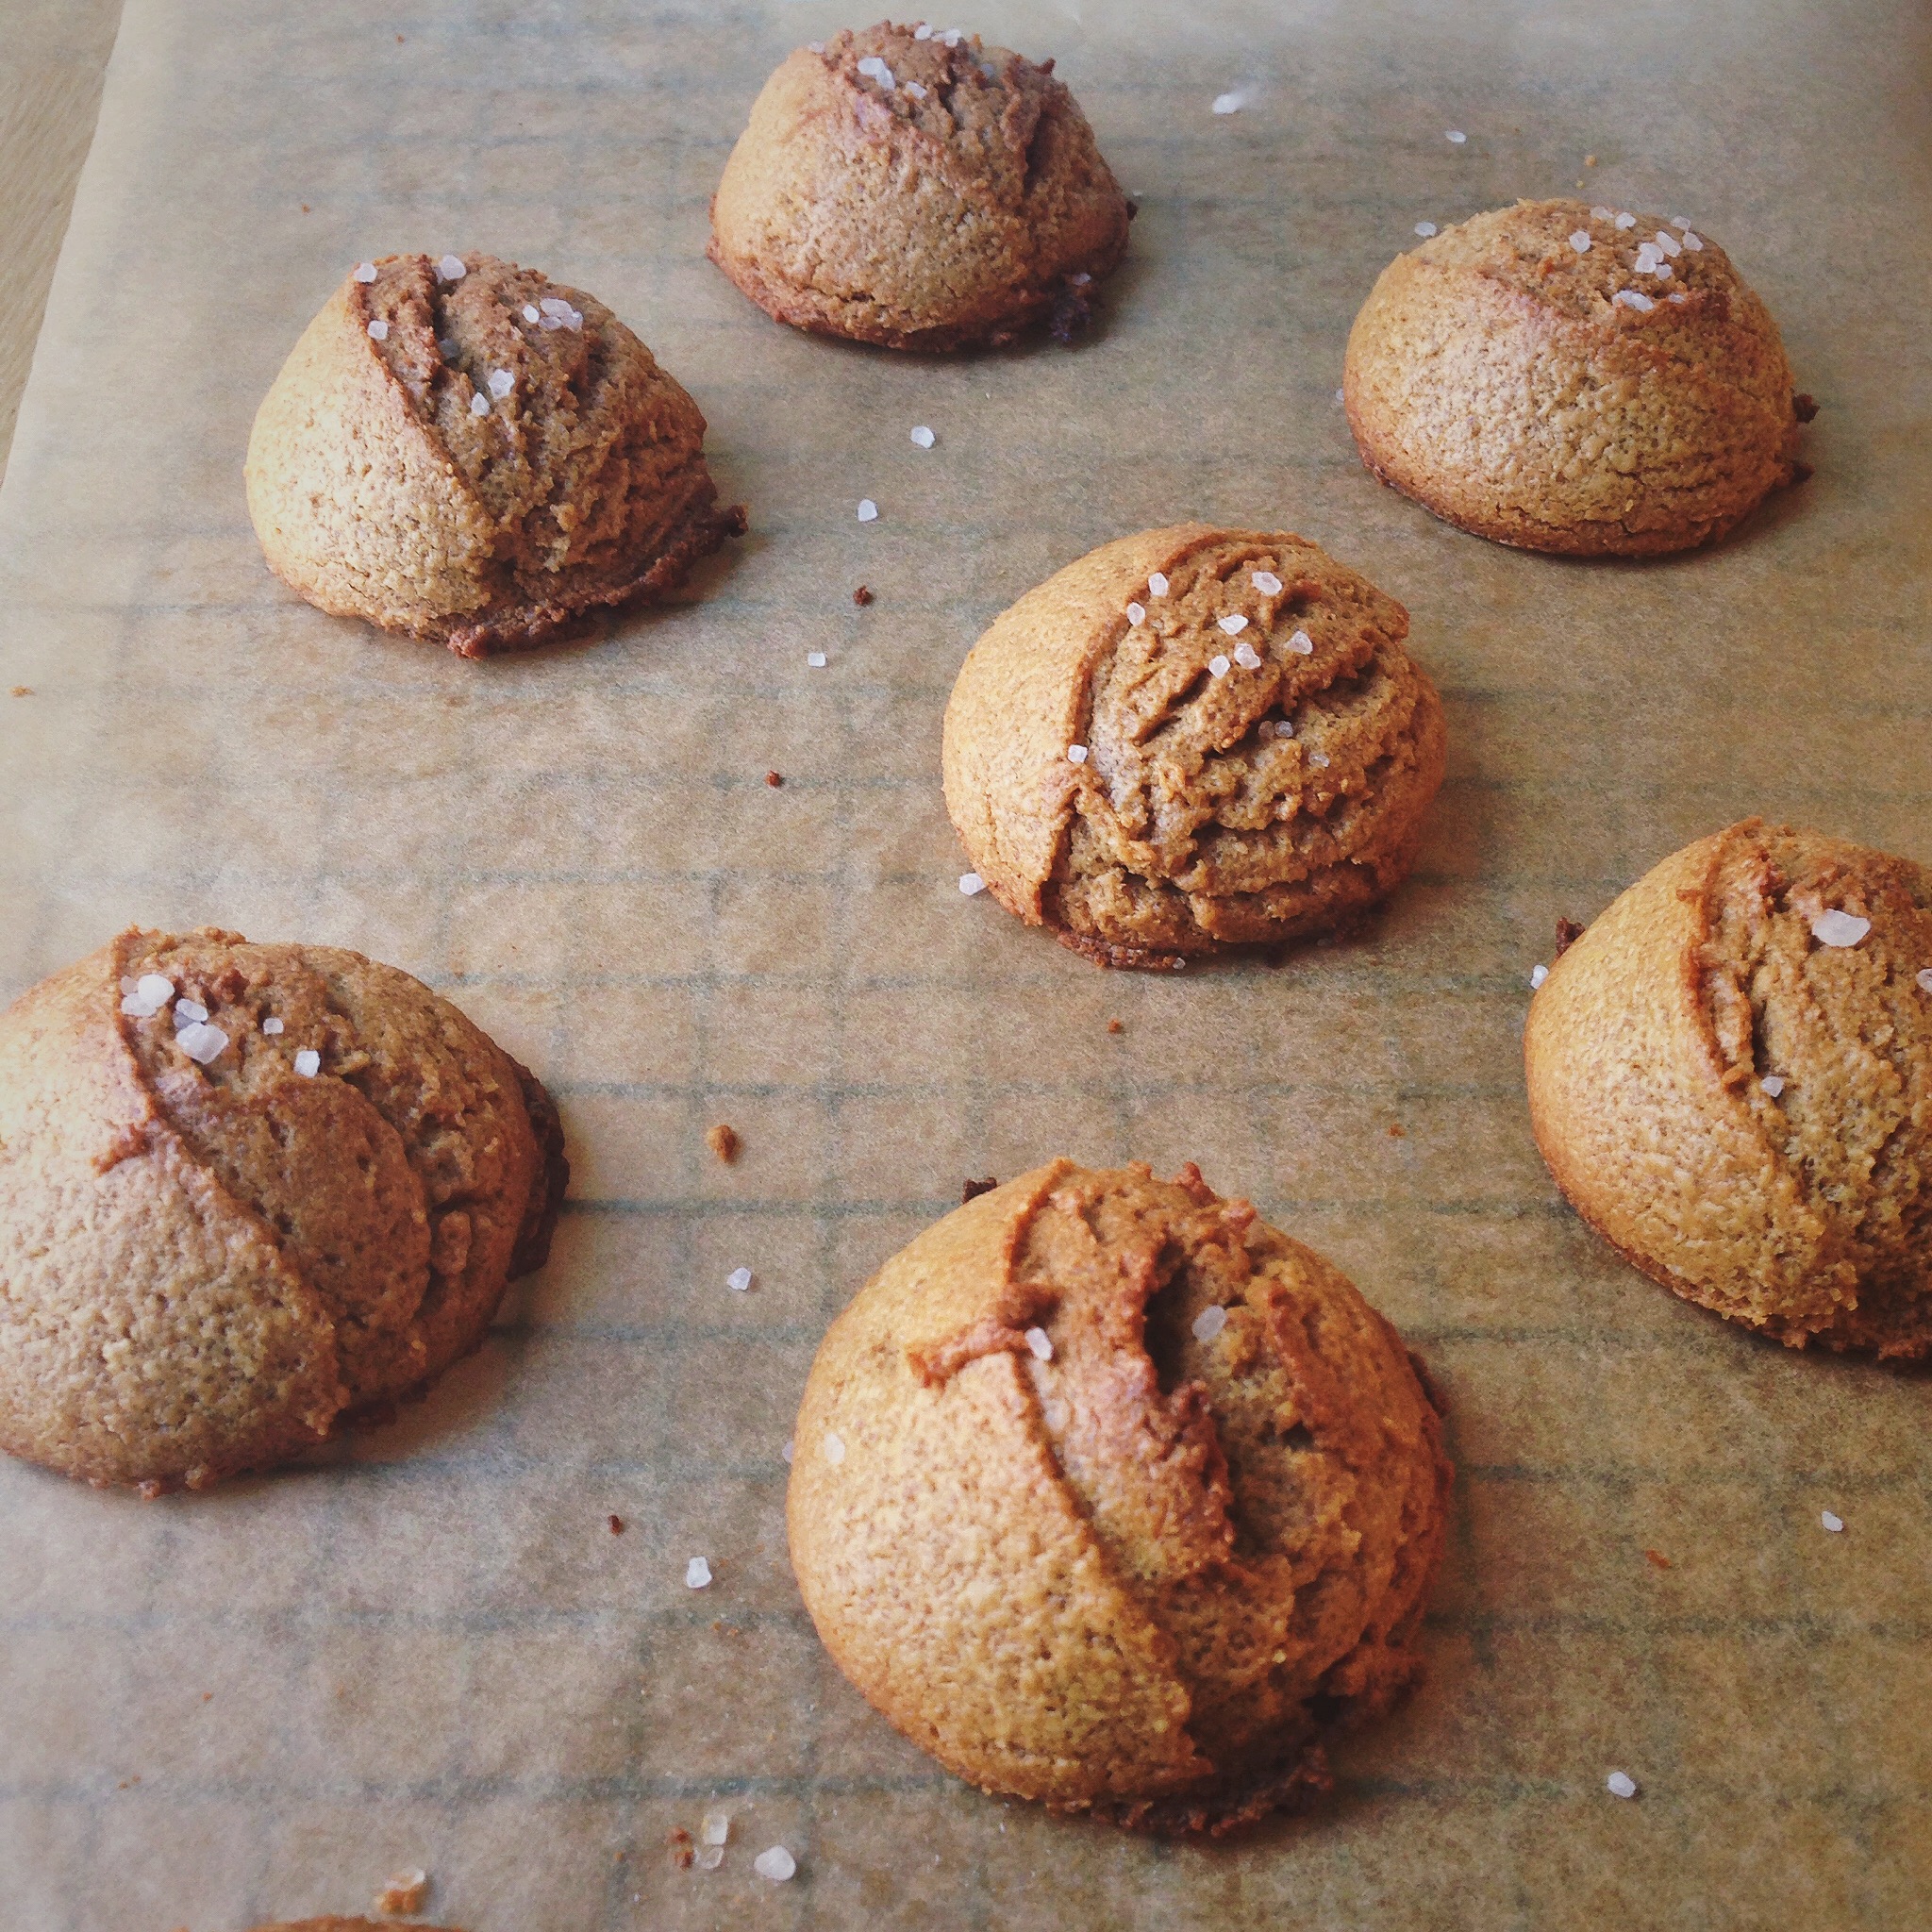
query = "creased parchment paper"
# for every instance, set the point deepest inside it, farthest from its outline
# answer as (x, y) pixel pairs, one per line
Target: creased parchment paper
(429, 1649)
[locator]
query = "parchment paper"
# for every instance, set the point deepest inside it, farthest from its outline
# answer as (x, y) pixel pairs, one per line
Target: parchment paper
(429, 1649)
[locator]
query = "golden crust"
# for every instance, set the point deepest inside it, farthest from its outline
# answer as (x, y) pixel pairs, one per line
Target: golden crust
(1194, 824)
(207, 1268)
(379, 492)
(1140, 1574)
(1802, 1211)
(930, 220)
(1492, 376)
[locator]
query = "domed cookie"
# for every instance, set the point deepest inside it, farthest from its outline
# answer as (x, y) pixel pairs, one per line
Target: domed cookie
(1107, 1494)
(247, 1191)
(917, 189)
(1192, 739)
(1730, 1076)
(1574, 379)
(467, 451)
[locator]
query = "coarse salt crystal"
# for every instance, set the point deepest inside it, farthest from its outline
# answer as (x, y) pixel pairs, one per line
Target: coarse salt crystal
(451, 269)
(789, 1450)
(1247, 657)
(1041, 1342)
(1774, 1084)
(1831, 1521)
(1076, 753)
(531, 312)
(1318, 758)
(834, 1449)
(1302, 644)
(1425, 229)
(1620, 1784)
(1669, 242)
(923, 437)
(1600, 214)
(1626, 221)
(971, 884)
(1081, 280)
(922, 31)
(1218, 664)
(366, 273)
(816, 659)
(1692, 242)
(1157, 585)
(1579, 240)
(188, 1012)
(151, 993)
(128, 982)
(1266, 582)
(867, 510)
(554, 305)
(1233, 624)
(378, 330)
(777, 1864)
(1836, 928)
(1284, 727)
(1210, 1322)
(271, 1025)
(1455, 135)
(953, 35)
(1925, 977)
(501, 383)
(1137, 613)
(739, 1278)
(875, 69)
(1678, 295)
(201, 1042)
(710, 1857)
(697, 1574)
(479, 404)
(1342, 395)
(1678, 222)
(1228, 103)
(309, 1063)
(716, 1828)
(913, 88)
(1537, 975)
(1632, 298)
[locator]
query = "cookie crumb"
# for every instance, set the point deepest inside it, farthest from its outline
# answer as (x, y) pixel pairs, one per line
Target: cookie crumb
(973, 1189)
(774, 779)
(679, 1841)
(1568, 932)
(404, 1894)
(1656, 1560)
(1590, 161)
(22, 691)
(722, 1141)
(863, 596)
(1397, 1131)
(1072, 313)
(616, 1524)
(1804, 407)
(1115, 1026)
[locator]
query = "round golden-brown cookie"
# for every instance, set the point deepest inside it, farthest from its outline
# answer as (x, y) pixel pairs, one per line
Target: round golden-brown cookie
(1192, 739)
(1543, 377)
(917, 189)
(467, 451)
(247, 1191)
(1730, 1076)
(351, 1925)
(1108, 1495)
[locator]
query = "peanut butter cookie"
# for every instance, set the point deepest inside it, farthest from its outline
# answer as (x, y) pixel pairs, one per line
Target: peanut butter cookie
(1108, 1495)
(1192, 739)
(918, 190)
(1730, 1076)
(465, 451)
(1574, 379)
(247, 1191)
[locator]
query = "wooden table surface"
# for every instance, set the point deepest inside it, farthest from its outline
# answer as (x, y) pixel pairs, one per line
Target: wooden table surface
(50, 91)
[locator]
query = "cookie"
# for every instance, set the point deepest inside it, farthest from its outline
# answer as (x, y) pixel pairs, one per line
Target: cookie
(349, 1925)
(467, 451)
(1110, 1495)
(1189, 740)
(917, 189)
(246, 1192)
(1730, 1076)
(1574, 379)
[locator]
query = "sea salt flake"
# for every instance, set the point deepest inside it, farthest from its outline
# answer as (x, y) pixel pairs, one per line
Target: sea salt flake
(1137, 613)
(777, 1864)
(378, 330)
(1632, 298)
(451, 269)
(479, 404)
(1678, 222)
(366, 273)
(1600, 214)
(1620, 1784)
(1247, 657)
(922, 31)
(697, 1574)
(1076, 753)
(1456, 136)
(1669, 242)
(1218, 665)
(923, 436)
(309, 1063)
(867, 510)
(815, 660)
(740, 1279)
(1041, 1342)
(1233, 624)
(716, 1828)
(1774, 1084)
(201, 1042)
(1626, 221)
(1210, 1322)
(1678, 295)
(1537, 975)
(501, 383)
(271, 1025)
(1831, 1521)
(1228, 103)
(913, 88)
(834, 1449)
(1692, 242)
(151, 993)
(1836, 928)
(1081, 280)
(531, 312)
(554, 305)
(710, 1857)
(1318, 758)
(1579, 240)
(1157, 585)
(1302, 644)
(1925, 977)
(971, 884)
(188, 1012)
(789, 1450)
(1266, 582)
(1425, 229)
(875, 69)
(953, 35)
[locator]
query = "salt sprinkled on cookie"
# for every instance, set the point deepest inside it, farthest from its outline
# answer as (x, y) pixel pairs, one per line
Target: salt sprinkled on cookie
(1218, 665)
(1210, 1322)
(1076, 753)
(1926, 978)
(875, 69)
(309, 1063)
(697, 1574)
(1318, 758)
(1247, 657)
(1040, 1343)
(188, 1012)
(271, 1025)
(1838, 929)
(1537, 975)
(1301, 643)
(1137, 613)
(1157, 585)
(1774, 1084)
(1233, 624)
(366, 273)
(201, 1043)
(834, 1449)
(1579, 240)
(451, 269)
(1266, 582)
(501, 383)
(532, 313)
(1626, 221)
(740, 1279)
(479, 404)
(1620, 1784)
(378, 330)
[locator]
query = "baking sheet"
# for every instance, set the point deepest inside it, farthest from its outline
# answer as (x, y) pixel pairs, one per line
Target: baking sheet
(429, 1649)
